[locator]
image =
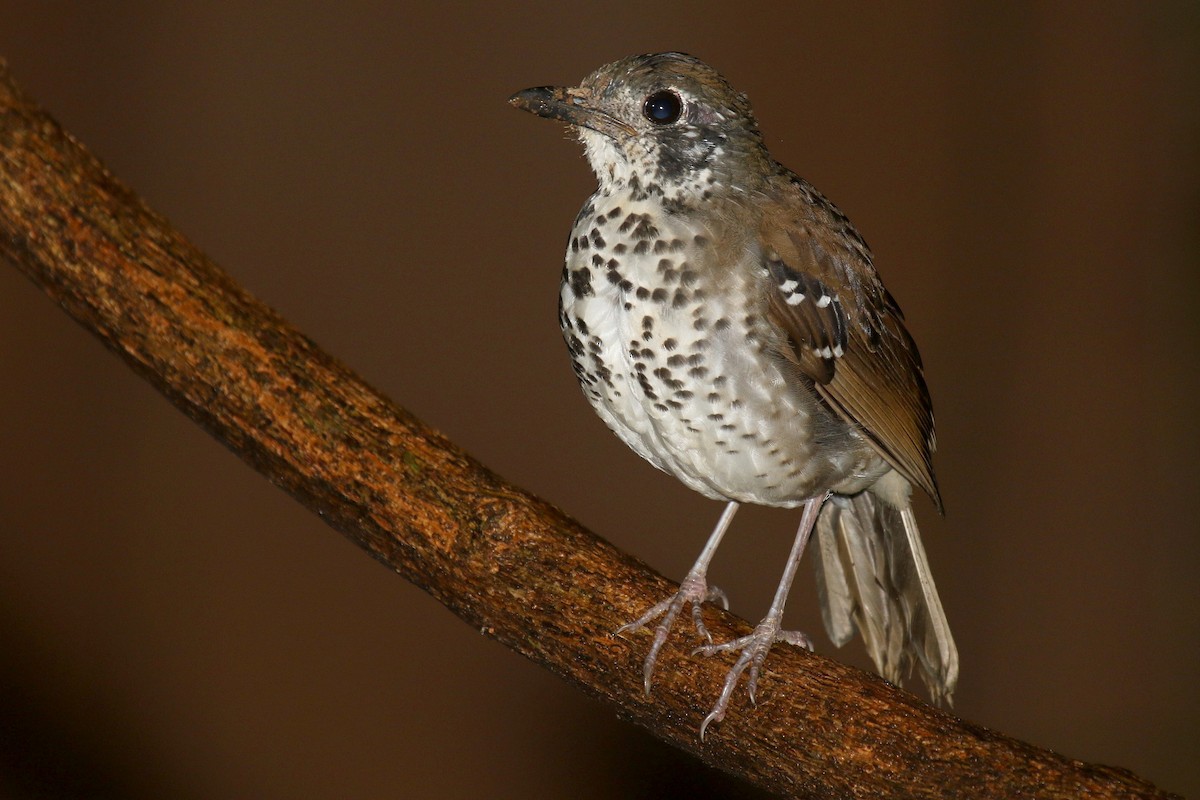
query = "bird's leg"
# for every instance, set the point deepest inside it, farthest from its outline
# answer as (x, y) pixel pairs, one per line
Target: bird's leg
(754, 648)
(694, 589)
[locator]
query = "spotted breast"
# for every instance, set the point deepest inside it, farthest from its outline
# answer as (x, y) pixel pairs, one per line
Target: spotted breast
(680, 370)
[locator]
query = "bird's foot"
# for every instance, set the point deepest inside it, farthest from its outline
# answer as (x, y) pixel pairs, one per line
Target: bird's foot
(694, 590)
(754, 649)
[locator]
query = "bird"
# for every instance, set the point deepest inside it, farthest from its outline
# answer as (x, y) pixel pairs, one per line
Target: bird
(727, 322)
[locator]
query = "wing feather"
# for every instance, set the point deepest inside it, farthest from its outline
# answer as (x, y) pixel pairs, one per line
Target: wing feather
(847, 334)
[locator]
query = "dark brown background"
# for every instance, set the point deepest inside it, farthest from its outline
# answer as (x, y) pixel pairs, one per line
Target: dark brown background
(172, 626)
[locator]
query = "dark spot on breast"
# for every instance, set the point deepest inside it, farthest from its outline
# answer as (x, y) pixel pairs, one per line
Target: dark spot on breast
(645, 229)
(581, 283)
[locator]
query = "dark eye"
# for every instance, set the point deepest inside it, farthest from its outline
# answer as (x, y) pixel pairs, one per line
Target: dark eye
(663, 108)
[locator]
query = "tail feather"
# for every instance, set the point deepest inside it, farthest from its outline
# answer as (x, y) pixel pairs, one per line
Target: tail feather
(873, 576)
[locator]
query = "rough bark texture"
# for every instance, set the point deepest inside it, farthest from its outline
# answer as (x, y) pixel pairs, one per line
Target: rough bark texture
(505, 561)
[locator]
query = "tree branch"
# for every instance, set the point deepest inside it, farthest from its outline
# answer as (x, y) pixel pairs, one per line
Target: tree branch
(505, 561)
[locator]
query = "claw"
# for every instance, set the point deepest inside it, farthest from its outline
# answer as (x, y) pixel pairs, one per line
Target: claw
(713, 716)
(693, 590)
(754, 649)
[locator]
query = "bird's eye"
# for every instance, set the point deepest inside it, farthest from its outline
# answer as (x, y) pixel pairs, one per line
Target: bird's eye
(663, 108)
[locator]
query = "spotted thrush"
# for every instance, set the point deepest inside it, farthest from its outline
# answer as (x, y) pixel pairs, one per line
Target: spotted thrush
(726, 321)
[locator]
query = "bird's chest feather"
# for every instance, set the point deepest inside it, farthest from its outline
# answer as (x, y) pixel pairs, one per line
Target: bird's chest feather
(673, 353)
(633, 312)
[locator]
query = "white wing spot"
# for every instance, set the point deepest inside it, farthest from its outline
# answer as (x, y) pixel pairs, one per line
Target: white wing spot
(824, 301)
(795, 299)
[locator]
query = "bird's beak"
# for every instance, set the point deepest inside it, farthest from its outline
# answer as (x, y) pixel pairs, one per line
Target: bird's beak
(570, 105)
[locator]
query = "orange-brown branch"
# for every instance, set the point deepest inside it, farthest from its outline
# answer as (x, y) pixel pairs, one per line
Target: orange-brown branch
(505, 561)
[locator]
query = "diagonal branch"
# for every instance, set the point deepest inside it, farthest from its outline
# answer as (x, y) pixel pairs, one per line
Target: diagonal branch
(505, 561)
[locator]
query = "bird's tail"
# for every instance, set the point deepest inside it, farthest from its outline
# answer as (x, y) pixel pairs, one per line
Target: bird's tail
(872, 575)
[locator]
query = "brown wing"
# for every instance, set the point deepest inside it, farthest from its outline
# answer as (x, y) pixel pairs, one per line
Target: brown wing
(847, 333)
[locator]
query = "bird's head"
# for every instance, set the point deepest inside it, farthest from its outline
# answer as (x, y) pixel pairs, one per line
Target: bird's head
(664, 124)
